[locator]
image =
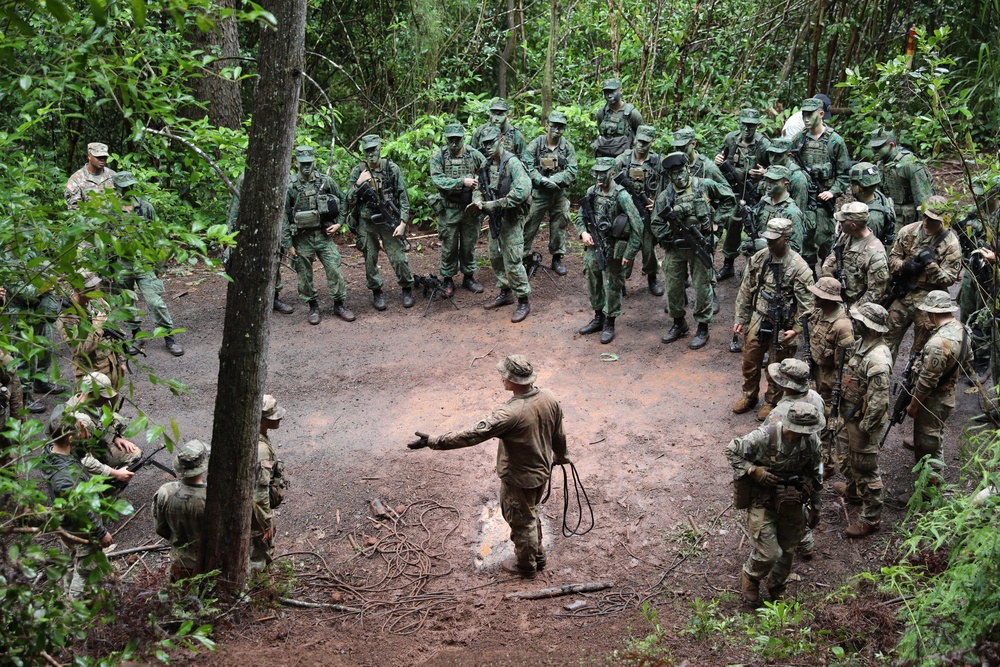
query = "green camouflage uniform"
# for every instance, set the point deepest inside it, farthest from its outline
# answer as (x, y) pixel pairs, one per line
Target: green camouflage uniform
(605, 287)
(387, 181)
(766, 209)
(12, 400)
(510, 186)
(798, 180)
(827, 163)
(558, 164)
(147, 282)
(303, 230)
(512, 138)
(178, 508)
(458, 229)
(648, 178)
(743, 158)
(612, 124)
(977, 296)
(908, 183)
(866, 269)
(38, 310)
(882, 218)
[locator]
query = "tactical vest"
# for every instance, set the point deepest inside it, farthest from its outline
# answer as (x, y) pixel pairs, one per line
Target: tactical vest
(645, 175)
(551, 160)
(606, 214)
(814, 155)
(856, 387)
(615, 123)
(882, 218)
(456, 167)
(383, 181)
(693, 207)
(896, 186)
(508, 138)
(745, 157)
(766, 210)
(305, 202)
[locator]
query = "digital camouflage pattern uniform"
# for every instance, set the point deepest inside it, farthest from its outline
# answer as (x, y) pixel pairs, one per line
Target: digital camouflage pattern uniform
(38, 309)
(179, 509)
(91, 351)
(701, 166)
(513, 139)
(977, 296)
(743, 157)
(510, 186)
(267, 493)
(458, 229)
(767, 209)
(559, 165)
(865, 265)
(779, 154)
(646, 177)
(905, 179)
(615, 129)
(82, 182)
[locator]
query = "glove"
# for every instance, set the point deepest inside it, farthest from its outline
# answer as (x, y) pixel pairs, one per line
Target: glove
(489, 206)
(423, 440)
(762, 475)
(912, 268)
(549, 183)
(813, 520)
(925, 257)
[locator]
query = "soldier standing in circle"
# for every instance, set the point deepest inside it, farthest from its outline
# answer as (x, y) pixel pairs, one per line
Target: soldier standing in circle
(92, 177)
(617, 226)
(179, 508)
(864, 408)
(385, 179)
(148, 283)
(742, 159)
(691, 202)
(512, 138)
(936, 377)
(551, 163)
(776, 272)
(642, 168)
(977, 296)
(686, 141)
(777, 202)
(781, 464)
(907, 181)
(859, 256)
(503, 194)
(823, 154)
(617, 122)
(269, 490)
(453, 172)
(926, 256)
(314, 212)
(529, 428)
(779, 155)
(865, 181)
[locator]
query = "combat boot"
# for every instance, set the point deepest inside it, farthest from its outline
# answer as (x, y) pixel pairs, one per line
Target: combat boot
(511, 566)
(46, 387)
(608, 333)
(750, 588)
(745, 404)
(727, 270)
(655, 285)
(736, 345)
(861, 529)
(282, 307)
(540, 560)
(716, 307)
(378, 300)
(678, 330)
(470, 283)
(504, 298)
(313, 312)
(341, 311)
(173, 347)
(700, 337)
(449, 286)
(558, 266)
(521, 311)
(594, 325)
(764, 411)
(33, 406)
(408, 296)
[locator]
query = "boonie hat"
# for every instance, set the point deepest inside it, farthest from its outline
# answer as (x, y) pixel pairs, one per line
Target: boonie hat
(90, 279)
(935, 208)
(790, 373)
(191, 458)
(270, 409)
(97, 384)
(938, 301)
(804, 418)
(750, 116)
(827, 288)
(305, 154)
(97, 149)
(873, 315)
(855, 211)
(684, 136)
(517, 369)
(454, 130)
(370, 141)
(777, 227)
(124, 179)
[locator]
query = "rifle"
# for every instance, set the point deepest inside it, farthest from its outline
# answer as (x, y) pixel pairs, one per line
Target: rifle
(776, 315)
(807, 348)
(487, 195)
(141, 463)
(640, 200)
(386, 213)
(693, 237)
(813, 188)
(904, 394)
(432, 287)
(906, 280)
(749, 196)
(532, 263)
(748, 213)
(590, 221)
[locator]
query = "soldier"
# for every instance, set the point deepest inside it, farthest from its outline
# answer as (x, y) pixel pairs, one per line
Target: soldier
(179, 507)
(935, 374)
(779, 154)
(773, 296)
(503, 194)
(823, 154)
(689, 203)
(84, 327)
(865, 181)
(685, 140)
(378, 182)
(642, 170)
(314, 212)
(529, 428)
(977, 296)
(907, 181)
(778, 202)
(269, 490)
(864, 409)
(64, 473)
(611, 230)
(147, 282)
(108, 451)
(551, 163)
(859, 257)
(617, 122)
(11, 396)
(926, 256)
(94, 176)
(512, 138)
(779, 465)
(741, 160)
(453, 172)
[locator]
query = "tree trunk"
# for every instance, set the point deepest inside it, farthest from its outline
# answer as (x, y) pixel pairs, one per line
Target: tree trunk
(550, 58)
(508, 51)
(814, 58)
(225, 104)
(243, 357)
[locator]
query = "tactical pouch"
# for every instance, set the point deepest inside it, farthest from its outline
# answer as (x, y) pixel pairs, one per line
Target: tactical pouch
(620, 230)
(549, 164)
(306, 219)
(636, 174)
(787, 500)
(742, 492)
(611, 146)
(436, 202)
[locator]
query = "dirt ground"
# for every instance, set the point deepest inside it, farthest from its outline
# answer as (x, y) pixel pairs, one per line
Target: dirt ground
(646, 430)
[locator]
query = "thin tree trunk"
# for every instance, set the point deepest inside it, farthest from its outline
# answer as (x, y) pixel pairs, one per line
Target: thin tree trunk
(550, 58)
(814, 59)
(786, 69)
(243, 356)
(223, 97)
(508, 51)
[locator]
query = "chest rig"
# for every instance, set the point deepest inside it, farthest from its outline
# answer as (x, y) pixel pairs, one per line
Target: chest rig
(551, 160)
(645, 175)
(815, 157)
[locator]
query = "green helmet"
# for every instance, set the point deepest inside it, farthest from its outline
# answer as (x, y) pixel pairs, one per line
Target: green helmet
(865, 174)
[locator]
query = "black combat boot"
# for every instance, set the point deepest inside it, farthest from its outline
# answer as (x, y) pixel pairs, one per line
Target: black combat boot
(470, 283)
(281, 306)
(341, 311)
(715, 303)
(608, 333)
(378, 300)
(314, 312)
(558, 266)
(449, 286)
(46, 387)
(678, 330)
(594, 325)
(655, 285)
(408, 297)
(33, 406)
(727, 270)
(173, 347)
(504, 298)
(736, 345)
(700, 337)
(521, 311)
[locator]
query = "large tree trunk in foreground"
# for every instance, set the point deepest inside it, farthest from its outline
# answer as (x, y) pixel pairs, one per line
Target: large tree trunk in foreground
(243, 357)
(225, 104)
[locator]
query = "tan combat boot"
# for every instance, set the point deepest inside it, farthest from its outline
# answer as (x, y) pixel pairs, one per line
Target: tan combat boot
(750, 588)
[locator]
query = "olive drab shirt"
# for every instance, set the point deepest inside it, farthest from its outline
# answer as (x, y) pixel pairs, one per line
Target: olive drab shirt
(607, 207)
(882, 218)
(827, 334)
(178, 514)
(825, 159)
(907, 182)
(866, 268)
(82, 183)
(558, 164)
(766, 209)
(940, 274)
(529, 427)
(702, 206)
(512, 138)
(867, 375)
(448, 173)
(387, 181)
(936, 369)
(796, 277)
(306, 201)
(743, 157)
(799, 456)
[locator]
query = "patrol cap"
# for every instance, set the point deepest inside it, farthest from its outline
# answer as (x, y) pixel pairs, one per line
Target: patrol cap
(612, 84)
(826, 105)
(270, 409)
(684, 136)
(865, 174)
(873, 315)
(90, 279)
(790, 373)
(97, 384)
(124, 179)
(490, 133)
(305, 154)
(880, 137)
(517, 369)
(370, 141)
(454, 130)
(558, 117)
(935, 208)
(804, 418)
(938, 301)
(675, 159)
(97, 149)
(780, 145)
(499, 104)
(604, 163)
(778, 227)
(827, 288)
(777, 172)
(750, 116)
(646, 133)
(855, 211)
(191, 458)
(812, 104)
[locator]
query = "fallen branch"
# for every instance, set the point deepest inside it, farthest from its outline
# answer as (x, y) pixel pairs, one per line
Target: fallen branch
(49, 659)
(318, 605)
(556, 591)
(135, 550)
(475, 359)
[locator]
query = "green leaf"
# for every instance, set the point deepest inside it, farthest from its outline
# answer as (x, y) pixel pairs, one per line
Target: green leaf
(139, 13)
(25, 82)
